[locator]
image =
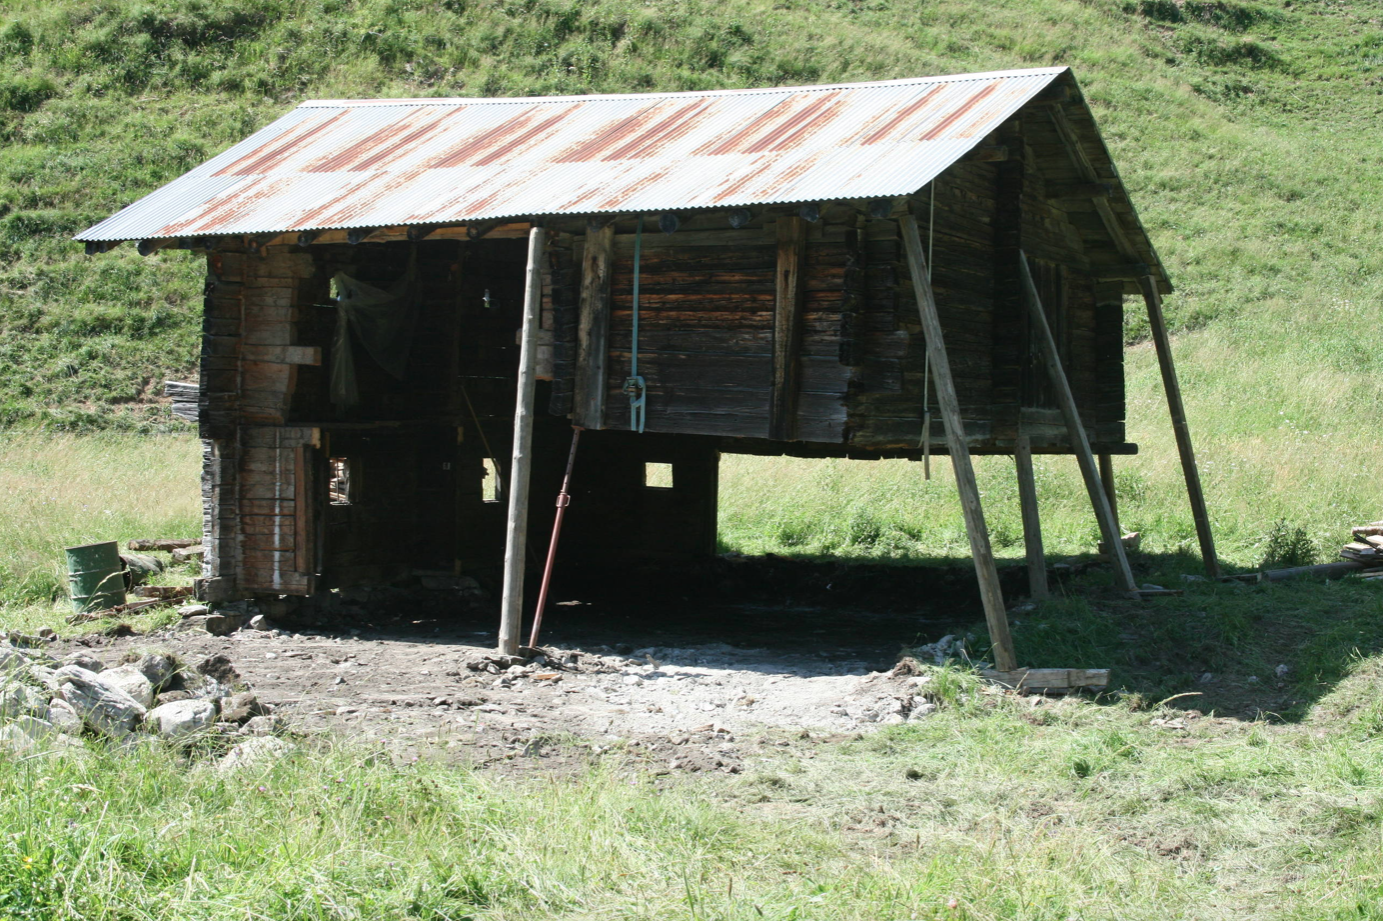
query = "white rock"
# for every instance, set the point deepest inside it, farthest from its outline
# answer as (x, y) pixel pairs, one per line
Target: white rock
(131, 680)
(17, 699)
(922, 711)
(34, 728)
(255, 752)
(45, 676)
(193, 610)
(633, 680)
(1281, 671)
(262, 726)
(63, 717)
(41, 742)
(11, 660)
(82, 660)
(12, 738)
(103, 707)
(181, 718)
(158, 668)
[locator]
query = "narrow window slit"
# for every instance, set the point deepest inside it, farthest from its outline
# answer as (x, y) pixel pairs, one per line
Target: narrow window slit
(339, 485)
(490, 486)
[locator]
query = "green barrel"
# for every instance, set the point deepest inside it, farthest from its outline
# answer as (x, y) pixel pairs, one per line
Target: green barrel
(95, 575)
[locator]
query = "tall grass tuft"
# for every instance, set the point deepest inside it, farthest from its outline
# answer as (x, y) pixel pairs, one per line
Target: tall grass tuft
(64, 490)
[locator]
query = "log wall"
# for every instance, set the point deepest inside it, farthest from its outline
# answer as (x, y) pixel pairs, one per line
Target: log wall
(258, 530)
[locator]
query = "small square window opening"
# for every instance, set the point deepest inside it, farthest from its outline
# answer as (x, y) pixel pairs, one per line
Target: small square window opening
(490, 486)
(657, 476)
(339, 486)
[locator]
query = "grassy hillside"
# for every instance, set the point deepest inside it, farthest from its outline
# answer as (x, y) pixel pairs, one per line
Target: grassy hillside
(1245, 130)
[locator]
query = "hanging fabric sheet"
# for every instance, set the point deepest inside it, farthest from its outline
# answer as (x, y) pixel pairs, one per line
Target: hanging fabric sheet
(383, 323)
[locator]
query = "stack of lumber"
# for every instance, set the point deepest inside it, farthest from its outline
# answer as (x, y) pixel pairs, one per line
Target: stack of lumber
(1367, 546)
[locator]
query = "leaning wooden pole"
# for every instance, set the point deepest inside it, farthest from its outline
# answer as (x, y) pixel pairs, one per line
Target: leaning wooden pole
(1107, 479)
(520, 464)
(1163, 343)
(1075, 428)
(990, 593)
(1032, 523)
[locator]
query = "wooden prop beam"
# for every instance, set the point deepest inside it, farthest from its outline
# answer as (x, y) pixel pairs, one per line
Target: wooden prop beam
(788, 308)
(1051, 680)
(593, 331)
(520, 464)
(1032, 523)
(1113, 226)
(1163, 344)
(1080, 442)
(990, 592)
(1107, 481)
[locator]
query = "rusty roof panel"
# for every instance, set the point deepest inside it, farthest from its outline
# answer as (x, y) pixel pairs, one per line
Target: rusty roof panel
(375, 163)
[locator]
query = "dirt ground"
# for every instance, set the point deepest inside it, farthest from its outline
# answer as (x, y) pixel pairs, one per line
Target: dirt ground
(687, 685)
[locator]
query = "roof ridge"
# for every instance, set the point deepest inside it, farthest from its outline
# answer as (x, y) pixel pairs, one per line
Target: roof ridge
(677, 94)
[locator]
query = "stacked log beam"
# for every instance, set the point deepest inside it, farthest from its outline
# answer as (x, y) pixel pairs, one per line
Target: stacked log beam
(1367, 546)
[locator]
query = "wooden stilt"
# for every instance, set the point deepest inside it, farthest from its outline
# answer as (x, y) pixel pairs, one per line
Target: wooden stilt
(1163, 343)
(1080, 443)
(1032, 524)
(516, 533)
(990, 592)
(1107, 481)
(593, 332)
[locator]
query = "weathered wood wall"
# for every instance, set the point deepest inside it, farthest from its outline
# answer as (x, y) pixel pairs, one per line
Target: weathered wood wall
(256, 477)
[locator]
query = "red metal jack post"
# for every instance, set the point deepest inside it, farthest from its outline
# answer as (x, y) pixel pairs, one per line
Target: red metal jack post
(563, 500)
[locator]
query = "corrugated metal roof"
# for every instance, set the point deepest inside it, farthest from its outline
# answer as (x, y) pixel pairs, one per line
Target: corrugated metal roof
(384, 163)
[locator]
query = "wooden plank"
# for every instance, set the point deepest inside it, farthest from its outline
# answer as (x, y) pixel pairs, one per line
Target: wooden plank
(516, 528)
(1116, 230)
(302, 508)
(593, 331)
(990, 592)
(788, 306)
(1080, 444)
(1107, 481)
(1088, 174)
(1060, 680)
(1032, 523)
(282, 354)
(1180, 429)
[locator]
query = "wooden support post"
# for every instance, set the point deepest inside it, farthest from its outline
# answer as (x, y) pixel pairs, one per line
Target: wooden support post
(1107, 481)
(516, 531)
(593, 332)
(1032, 523)
(990, 592)
(1080, 443)
(788, 308)
(1163, 344)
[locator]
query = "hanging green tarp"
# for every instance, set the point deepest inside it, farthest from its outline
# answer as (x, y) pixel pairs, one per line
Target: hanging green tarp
(382, 321)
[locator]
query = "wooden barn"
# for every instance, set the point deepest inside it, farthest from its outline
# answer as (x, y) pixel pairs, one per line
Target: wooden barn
(411, 303)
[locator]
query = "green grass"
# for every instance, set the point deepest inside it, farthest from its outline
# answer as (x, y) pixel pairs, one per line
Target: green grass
(995, 808)
(61, 491)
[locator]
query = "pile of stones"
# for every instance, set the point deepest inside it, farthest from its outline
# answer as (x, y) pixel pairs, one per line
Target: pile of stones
(55, 703)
